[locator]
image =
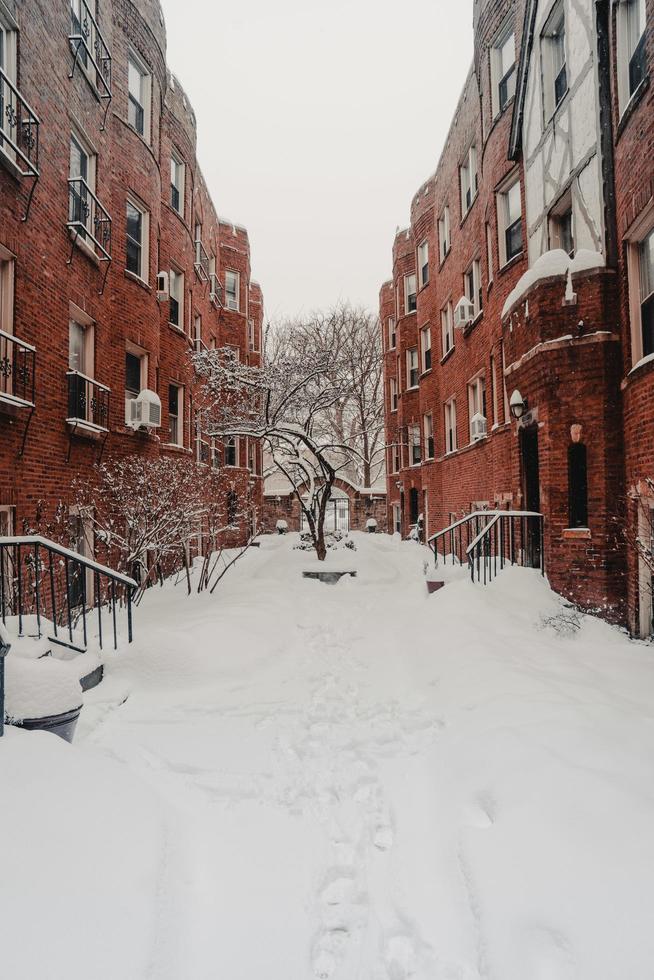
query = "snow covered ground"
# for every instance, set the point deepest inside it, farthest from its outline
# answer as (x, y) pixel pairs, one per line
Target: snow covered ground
(289, 780)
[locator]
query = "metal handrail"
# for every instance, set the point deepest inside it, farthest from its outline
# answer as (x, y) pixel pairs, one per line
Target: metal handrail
(17, 369)
(85, 34)
(201, 263)
(510, 536)
(88, 400)
(85, 377)
(17, 114)
(92, 220)
(215, 289)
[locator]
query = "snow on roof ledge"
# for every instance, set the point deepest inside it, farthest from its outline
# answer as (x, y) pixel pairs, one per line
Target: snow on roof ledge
(553, 263)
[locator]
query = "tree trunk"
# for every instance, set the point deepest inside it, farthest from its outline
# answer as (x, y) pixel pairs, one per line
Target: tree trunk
(321, 547)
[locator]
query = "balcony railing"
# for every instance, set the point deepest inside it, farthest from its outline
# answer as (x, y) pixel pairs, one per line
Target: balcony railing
(90, 48)
(201, 264)
(88, 401)
(88, 218)
(17, 371)
(19, 129)
(215, 290)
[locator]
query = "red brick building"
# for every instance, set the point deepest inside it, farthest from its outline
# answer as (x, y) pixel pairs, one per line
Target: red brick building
(114, 265)
(523, 279)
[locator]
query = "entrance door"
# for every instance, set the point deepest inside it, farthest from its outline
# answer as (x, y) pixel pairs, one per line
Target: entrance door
(414, 506)
(531, 493)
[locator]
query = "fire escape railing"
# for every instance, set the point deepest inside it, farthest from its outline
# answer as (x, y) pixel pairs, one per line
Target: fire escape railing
(88, 400)
(201, 264)
(90, 50)
(17, 370)
(19, 133)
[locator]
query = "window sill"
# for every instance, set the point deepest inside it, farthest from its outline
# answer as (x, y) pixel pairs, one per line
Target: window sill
(576, 534)
(444, 259)
(511, 263)
(464, 217)
(425, 373)
(9, 165)
(447, 356)
(132, 276)
(80, 427)
(473, 323)
(408, 391)
(85, 249)
(178, 330)
(176, 448)
(631, 106)
(141, 136)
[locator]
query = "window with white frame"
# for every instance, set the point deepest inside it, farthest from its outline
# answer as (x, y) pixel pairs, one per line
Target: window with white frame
(232, 282)
(560, 225)
(137, 239)
(176, 289)
(412, 370)
(410, 294)
(425, 348)
(447, 329)
(80, 366)
(553, 61)
(176, 415)
(423, 263)
(197, 332)
(397, 462)
(631, 48)
(177, 181)
(489, 250)
(641, 294)
(392, 335)
(392, 393)
(139, 87)
(509, 216)
(81, 186)
(472, 286)
(477, 408)
(444, 239)
(450, 426)
(415, 449)
(8, 62)
(469, 179)
(503, 70)
(136, 376)
(493, 381)
(253, 333)
(428, 432)
(397, 518)
(231, 451)
(6, 291)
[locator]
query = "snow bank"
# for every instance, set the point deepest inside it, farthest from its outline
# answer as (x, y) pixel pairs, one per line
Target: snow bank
(556, 262)
(36, 688)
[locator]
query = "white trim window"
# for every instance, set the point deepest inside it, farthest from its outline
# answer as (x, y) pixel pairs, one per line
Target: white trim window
(410, 294)
(444, 234)
(83, 171)
(397, 457)
(553, 61)
(415, 447)
(560, 225)
(231, 451)
(469, 180)
(423, 263)
(232, 290)
(641, 295)
(392, 393)
(7, 269)
(631, 48)
(450, 426)
(447, 329)
(509, 216)
(392, 333)
(177, 182)
(81, 361)
(397, 519)
(139, 89)
(425, 348)
(472, 287)
(503, 70)
(8, 63)
(252, 335)
(137, 239)
(489, 251)
(412, 368)
(477, 408)
(136, 376)
(175, 415)
(428, 432)
(176, 287)
(197, 332)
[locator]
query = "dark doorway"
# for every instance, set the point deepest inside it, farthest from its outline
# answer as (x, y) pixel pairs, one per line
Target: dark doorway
(401, 511)
(414, 505)
(531, 494)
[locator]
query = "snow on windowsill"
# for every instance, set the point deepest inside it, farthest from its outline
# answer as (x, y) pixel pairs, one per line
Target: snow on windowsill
(641, 363)
(552, 264)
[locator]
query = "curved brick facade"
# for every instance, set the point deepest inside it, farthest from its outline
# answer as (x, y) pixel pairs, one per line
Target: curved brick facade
(47, 279)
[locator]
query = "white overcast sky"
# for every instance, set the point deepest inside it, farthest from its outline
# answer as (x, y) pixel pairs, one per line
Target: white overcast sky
(317, 121)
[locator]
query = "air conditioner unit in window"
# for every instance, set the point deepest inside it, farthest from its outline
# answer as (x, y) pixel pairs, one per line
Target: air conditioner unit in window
(162, 287)
(145, 410)
(464, 312)
(477, 427)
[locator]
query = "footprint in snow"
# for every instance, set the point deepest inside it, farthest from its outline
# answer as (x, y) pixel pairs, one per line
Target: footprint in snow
(481, 812)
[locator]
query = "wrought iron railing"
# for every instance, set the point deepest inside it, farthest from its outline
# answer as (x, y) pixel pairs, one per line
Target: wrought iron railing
(90, 48)
(201, 264)
(88, 219)
(487, 540)
(17, 370)
(58, 592)
(19, 129)
(88, 400)
(215, 290)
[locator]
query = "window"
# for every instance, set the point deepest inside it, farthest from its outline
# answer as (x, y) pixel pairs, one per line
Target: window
(493, 381)
(80, 347)
(444, 240)
(425, 348)
(577, 485)
(410, 299)
(80, 361)
(646, 277)
(428, 430)
(472, 286)
(396, 458)
(450, 425)
(415, 449)
(447, 329)
(509, 215)
(137, 240)
(477, 408)
(81, 186)
(231, 451)
(253, 334)
(136, 377)
(631, 48)
(503, 71)
(252, 456)
(412, 367)
(392, 385)
(560, 225)
(176, 287)
(423, 263)
(489, 251)
(469, 180)
(176, 415)
(232, 290)
(553, 61)
(397, 519)
(8, 66)
(177, 175)
(392, 335)
(197, 332)
(138, 95)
